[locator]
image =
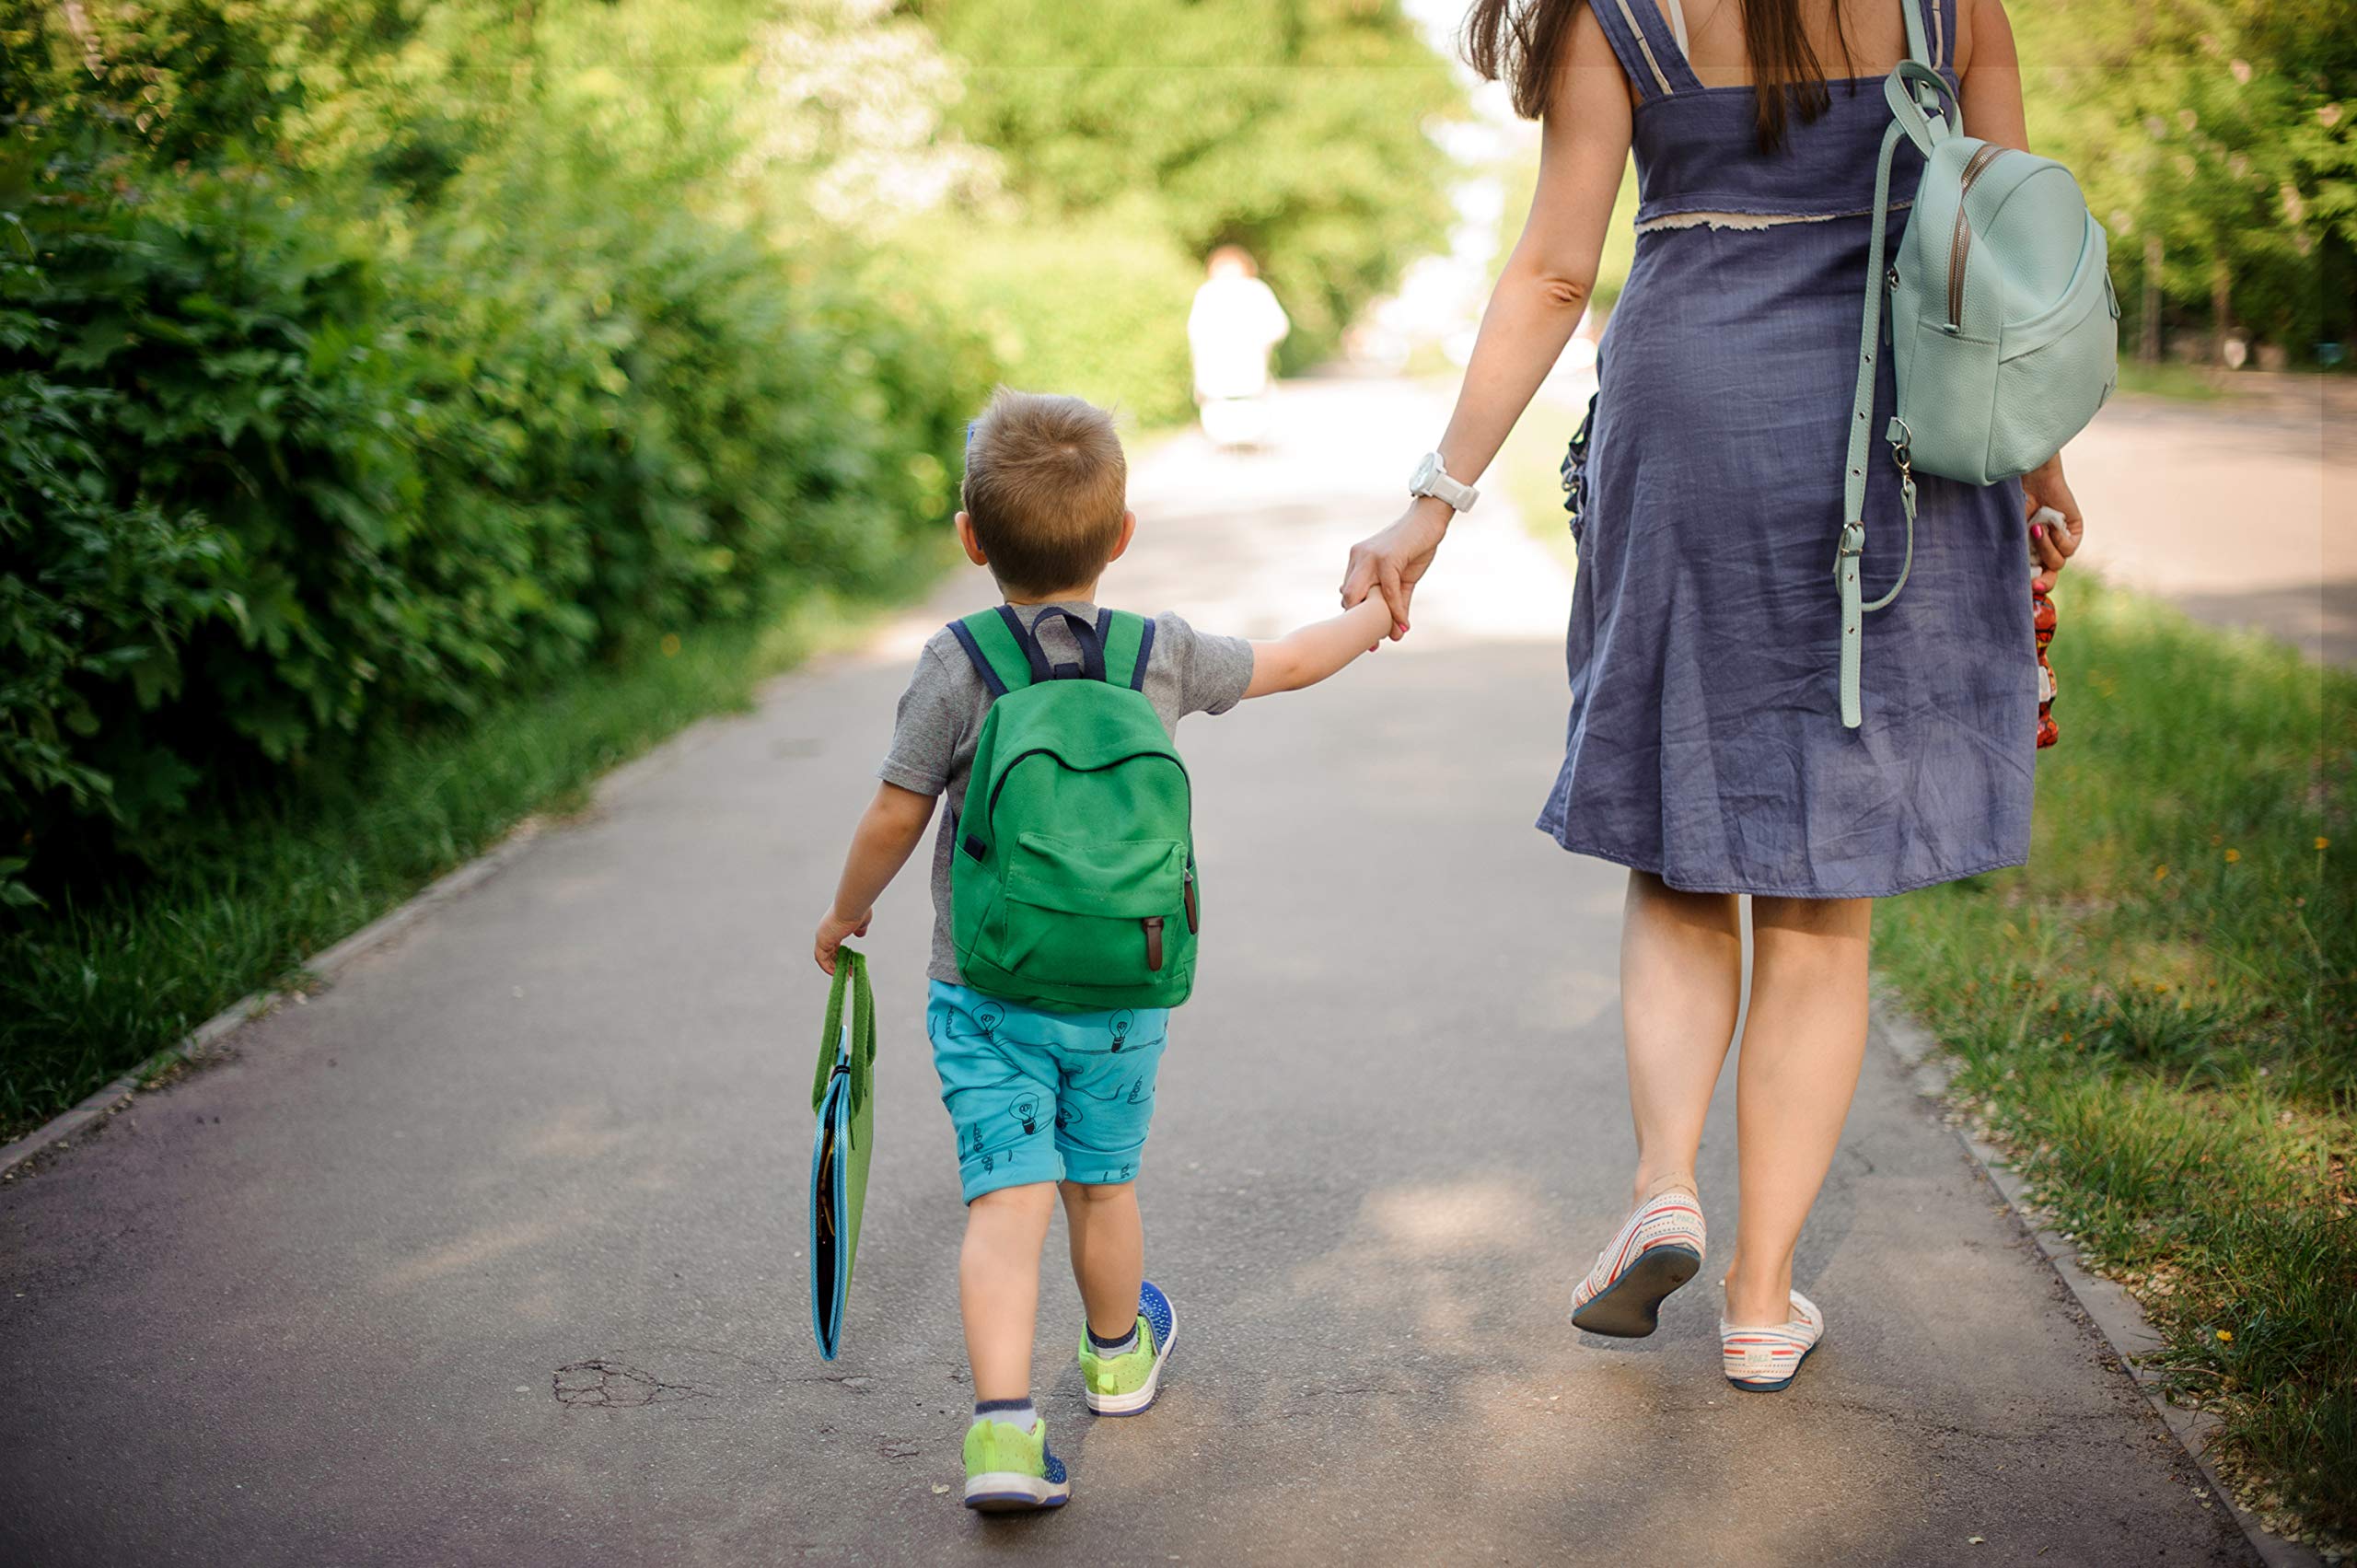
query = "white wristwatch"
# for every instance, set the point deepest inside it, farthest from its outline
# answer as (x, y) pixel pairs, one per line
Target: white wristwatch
(1432, 478)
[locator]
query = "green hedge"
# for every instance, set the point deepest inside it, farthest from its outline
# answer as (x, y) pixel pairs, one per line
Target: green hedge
(276, 482)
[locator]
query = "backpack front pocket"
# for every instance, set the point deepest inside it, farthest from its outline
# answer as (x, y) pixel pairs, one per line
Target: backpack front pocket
(1097, 913)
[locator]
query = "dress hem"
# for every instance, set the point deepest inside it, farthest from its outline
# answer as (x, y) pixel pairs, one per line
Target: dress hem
(1636, 863)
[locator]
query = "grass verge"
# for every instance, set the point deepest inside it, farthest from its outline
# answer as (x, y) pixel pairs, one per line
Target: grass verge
(2157, 1018)
(92, 989)
(2186, 383)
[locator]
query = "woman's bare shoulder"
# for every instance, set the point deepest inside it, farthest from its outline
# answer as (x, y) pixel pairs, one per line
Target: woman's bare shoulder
(1981, 28)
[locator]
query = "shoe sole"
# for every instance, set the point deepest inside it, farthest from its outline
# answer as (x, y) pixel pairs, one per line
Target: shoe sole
(1136, 1401)
(1630, 1307)
(1781, 1384)
(1012, 1491)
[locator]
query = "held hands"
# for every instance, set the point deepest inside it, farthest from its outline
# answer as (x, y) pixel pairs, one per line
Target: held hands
(1393, 561)
(2052, 544)
(832, 931)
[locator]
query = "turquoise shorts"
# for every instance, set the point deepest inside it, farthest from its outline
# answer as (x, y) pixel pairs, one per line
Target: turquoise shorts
(1044, 1096)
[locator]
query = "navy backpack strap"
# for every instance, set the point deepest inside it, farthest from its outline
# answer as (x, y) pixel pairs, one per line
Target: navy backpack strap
(1001, 654)
(1008, 653)
(1128, 644)
(1085, 635)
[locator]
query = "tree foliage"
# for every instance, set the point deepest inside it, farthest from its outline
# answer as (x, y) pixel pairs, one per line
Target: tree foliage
(1296, 128)
(310, 432)
(2223, 130)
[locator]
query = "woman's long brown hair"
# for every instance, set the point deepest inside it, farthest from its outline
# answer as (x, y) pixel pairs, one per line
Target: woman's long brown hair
(1520, 42)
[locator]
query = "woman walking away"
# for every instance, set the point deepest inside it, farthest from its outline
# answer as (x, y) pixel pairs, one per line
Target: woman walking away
(1706, 749)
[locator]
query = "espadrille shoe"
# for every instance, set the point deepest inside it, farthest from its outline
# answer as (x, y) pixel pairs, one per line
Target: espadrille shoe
(1762, 1360)
(1658, 1249)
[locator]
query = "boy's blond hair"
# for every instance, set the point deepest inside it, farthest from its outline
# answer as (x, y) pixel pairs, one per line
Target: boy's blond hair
(1045, 486)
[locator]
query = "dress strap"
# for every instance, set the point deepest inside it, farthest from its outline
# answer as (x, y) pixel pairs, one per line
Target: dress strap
(1647, 48)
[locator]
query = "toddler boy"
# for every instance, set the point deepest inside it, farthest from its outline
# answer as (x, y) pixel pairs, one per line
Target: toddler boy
(1040, 1099)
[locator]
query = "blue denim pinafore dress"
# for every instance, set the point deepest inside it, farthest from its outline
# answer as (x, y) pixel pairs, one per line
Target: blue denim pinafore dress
(1705, 744)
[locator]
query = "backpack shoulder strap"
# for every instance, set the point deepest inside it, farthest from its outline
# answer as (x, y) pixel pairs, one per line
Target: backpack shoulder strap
(1129, 643)
(1927, 49)
(1938, 51)
(1000, 647)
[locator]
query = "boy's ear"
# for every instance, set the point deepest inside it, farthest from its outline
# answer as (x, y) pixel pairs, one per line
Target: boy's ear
(1129, 533)
(974, 547)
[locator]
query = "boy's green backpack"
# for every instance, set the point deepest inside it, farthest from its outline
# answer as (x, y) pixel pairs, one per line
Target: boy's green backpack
(2004, 331)
(1074, 887)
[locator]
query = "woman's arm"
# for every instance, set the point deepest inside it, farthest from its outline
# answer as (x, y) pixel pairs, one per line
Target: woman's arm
(1990, 73)
(1992, 112)
(1538, 301)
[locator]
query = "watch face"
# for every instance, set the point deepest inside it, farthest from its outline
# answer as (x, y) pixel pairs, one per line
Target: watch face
(1425, 472)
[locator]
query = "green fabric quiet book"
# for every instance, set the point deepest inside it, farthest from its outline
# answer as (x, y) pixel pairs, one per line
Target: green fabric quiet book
(845, 1098)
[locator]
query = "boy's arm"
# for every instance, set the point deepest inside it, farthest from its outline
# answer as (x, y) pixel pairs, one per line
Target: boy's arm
(889, 832)
(1309, 656)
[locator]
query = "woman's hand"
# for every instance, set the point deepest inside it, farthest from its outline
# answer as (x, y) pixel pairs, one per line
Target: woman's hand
(2051, 544)
(1393, 561)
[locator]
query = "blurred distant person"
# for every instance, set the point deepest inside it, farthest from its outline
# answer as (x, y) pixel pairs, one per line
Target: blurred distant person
(1235, 321)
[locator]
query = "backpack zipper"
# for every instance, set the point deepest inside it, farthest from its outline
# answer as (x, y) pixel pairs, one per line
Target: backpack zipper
(1960, 243)
(990, 812)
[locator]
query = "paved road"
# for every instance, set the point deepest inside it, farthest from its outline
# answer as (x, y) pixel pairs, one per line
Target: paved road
(2243, 512)
(491, 1254)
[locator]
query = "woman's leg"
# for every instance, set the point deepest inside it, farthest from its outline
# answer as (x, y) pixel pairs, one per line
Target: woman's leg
(1804, 1040)
(1681, 979)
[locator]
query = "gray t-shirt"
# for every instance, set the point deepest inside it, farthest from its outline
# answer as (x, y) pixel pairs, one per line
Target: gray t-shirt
(941, 717)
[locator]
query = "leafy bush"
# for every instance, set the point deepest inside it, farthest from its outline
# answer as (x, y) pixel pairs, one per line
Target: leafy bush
(280, 480)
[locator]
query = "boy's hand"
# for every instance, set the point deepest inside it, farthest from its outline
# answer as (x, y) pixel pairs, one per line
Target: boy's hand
(832, 930)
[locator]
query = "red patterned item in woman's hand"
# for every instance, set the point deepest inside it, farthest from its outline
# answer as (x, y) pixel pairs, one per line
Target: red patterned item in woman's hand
(2042, 616)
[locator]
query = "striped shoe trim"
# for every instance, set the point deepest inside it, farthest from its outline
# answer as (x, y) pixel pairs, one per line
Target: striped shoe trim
(1672, 1219)
(1765, 1355)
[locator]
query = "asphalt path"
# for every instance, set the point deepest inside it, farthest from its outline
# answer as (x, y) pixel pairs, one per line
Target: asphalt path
(493, 1253)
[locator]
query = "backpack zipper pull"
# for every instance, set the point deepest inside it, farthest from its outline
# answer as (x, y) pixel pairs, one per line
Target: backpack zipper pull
(1194, 921)
(1153, 925)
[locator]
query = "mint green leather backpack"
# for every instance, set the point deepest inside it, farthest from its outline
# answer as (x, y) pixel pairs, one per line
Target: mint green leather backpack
(2004, 331)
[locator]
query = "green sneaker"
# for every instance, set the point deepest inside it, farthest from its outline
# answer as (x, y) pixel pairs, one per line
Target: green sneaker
(1125, 1385)
(1009, 1470)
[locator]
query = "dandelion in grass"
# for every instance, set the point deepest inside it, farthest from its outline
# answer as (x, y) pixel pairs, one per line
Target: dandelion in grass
(2160, 873)
(2323, 842)
(2233, 855)
(2225, 1336)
